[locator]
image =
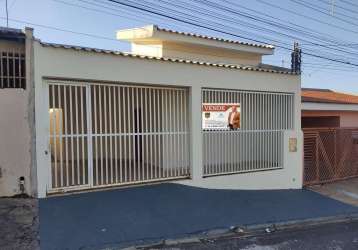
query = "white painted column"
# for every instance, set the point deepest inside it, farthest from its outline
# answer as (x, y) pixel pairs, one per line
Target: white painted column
(293, 161)
(196, 139)
(30, 88)
(42, 124)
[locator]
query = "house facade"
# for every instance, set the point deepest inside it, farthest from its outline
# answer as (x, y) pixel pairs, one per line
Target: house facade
(322, 108)
(108, 119)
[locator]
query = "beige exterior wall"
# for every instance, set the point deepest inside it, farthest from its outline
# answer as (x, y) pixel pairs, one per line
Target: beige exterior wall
(196, 53)
(347, 118)
(151, 50)
(74, 64)
(206, 54)
(17, 128)
(15, 158)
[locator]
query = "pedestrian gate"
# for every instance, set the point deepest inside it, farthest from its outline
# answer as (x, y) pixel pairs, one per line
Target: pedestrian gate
(115, 134)
(330, 154)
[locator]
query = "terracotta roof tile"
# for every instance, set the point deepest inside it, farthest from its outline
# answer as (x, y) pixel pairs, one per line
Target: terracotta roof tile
(266, 46)
(327, 96)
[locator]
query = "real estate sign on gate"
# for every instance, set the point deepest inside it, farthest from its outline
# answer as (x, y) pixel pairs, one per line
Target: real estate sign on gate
(221, 115)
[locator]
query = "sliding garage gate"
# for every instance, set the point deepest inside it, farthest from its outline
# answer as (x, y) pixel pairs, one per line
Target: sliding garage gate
(258, 144)
(111, 134)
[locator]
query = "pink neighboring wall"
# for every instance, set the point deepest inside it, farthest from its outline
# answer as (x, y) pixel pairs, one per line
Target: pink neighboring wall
(347, 118)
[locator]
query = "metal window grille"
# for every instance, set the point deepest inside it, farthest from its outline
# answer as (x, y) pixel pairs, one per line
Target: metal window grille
(12, 69)
(111, 134)
(258, 144)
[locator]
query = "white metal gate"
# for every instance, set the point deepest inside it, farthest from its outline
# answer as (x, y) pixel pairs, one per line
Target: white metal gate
(258, 144)
(114, 134)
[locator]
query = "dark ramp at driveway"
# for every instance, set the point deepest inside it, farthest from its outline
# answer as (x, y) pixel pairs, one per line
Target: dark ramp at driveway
(123, 217)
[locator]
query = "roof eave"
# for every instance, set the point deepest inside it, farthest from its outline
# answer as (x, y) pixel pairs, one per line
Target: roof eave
(318, 106)
(153, 33)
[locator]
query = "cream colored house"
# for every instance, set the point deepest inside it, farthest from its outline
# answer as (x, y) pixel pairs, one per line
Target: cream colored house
(108, 118)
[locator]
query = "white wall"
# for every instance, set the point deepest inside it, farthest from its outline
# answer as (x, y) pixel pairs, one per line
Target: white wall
(69, 63)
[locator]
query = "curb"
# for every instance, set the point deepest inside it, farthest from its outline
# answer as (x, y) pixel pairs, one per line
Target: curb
(245, 231)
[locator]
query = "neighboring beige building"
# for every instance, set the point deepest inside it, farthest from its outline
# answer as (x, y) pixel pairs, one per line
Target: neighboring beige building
(17, 127)
(154, 41)
(326, 108)
(108, 118)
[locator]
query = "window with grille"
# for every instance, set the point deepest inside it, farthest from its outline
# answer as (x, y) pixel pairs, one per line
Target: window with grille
(12, 69)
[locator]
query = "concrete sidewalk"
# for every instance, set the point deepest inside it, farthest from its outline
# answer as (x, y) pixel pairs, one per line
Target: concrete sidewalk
(345, 191)
(141, 215)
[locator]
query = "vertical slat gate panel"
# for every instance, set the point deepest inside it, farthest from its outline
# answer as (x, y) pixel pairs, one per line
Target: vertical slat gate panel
(116, 134)
(258, 144)
(68, 136)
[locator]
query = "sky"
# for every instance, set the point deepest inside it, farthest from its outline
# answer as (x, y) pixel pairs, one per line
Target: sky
(60, 21)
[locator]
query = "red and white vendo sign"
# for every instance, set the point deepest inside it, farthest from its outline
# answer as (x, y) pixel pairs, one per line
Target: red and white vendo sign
(220, 115)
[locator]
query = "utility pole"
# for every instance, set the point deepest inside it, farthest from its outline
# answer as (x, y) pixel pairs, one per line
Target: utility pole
(296, 58)
(332, 7)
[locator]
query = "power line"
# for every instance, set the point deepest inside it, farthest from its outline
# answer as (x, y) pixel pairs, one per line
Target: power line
(107, 38)
(195, 19)
(88, 8)
(351, 63)
(128, 16)
(184, 21)
(235, 4)
(241, 31)
(332, 44)
(322, 36)
(220, 31)
(185, 14)
(70, 31)
(349, 3)
(267, 22)
(86, 34)
(214, 15)
(59, 29)
(308, 17)
(241, 22)
(340, 7)
(314, 7)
